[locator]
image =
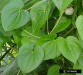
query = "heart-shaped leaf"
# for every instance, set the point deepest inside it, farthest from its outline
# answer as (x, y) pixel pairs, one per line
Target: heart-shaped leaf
(30, 57)
(13, 16)
(70, 48)
(50, 49)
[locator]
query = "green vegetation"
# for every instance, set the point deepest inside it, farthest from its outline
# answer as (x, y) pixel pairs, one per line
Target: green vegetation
(40, 37)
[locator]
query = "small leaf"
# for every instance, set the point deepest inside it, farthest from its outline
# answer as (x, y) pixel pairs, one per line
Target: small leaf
(39, 14)
(70, 48)
(53, 70)
(79, 25)
(13, 16)
(63, 24)
(30, 57)
(62, 4)
(50, 49)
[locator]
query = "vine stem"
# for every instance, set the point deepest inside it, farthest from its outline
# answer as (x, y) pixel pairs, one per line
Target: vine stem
(31, 34)
(57, 22)
(18, 72)
(47, 26)
(28, 8)
(69, 31)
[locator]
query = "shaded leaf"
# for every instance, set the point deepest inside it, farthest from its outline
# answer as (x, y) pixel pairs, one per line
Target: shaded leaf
(63, 24)
(53, 70)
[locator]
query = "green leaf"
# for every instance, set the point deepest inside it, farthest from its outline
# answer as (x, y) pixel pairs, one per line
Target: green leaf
(46, 38)
(50, 49)
(3, 3)
(80, 60)
(70, 48)
(0, 46)
(79, 25)
(4, 36)
(29, 3)
(26, 37)
(30, 57)
(28, 40)
(74, 47)
(39, 14)
(53, 70)
(17, 37)
(62, 4)
(13, 16)
(63, 24)
(78, 66)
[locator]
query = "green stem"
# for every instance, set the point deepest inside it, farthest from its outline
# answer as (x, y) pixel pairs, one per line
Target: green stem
(18, 72)
(57, 22)
(47, 26)
(31, 34)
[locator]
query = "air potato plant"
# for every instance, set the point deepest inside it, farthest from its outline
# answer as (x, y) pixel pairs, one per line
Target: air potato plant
(41, 37)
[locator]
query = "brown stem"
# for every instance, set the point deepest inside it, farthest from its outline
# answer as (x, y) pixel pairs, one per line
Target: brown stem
(69, 31)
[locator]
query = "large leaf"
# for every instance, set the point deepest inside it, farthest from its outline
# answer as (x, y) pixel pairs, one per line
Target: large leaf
(70, 48)
(54, 70)
(30, 57)
(13, 16)
(62, 4)
(50, 49)
(63, 24)
(79, 25)
(39, 14)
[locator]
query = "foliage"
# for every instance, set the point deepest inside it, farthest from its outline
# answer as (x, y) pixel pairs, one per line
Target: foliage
(40, 37)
